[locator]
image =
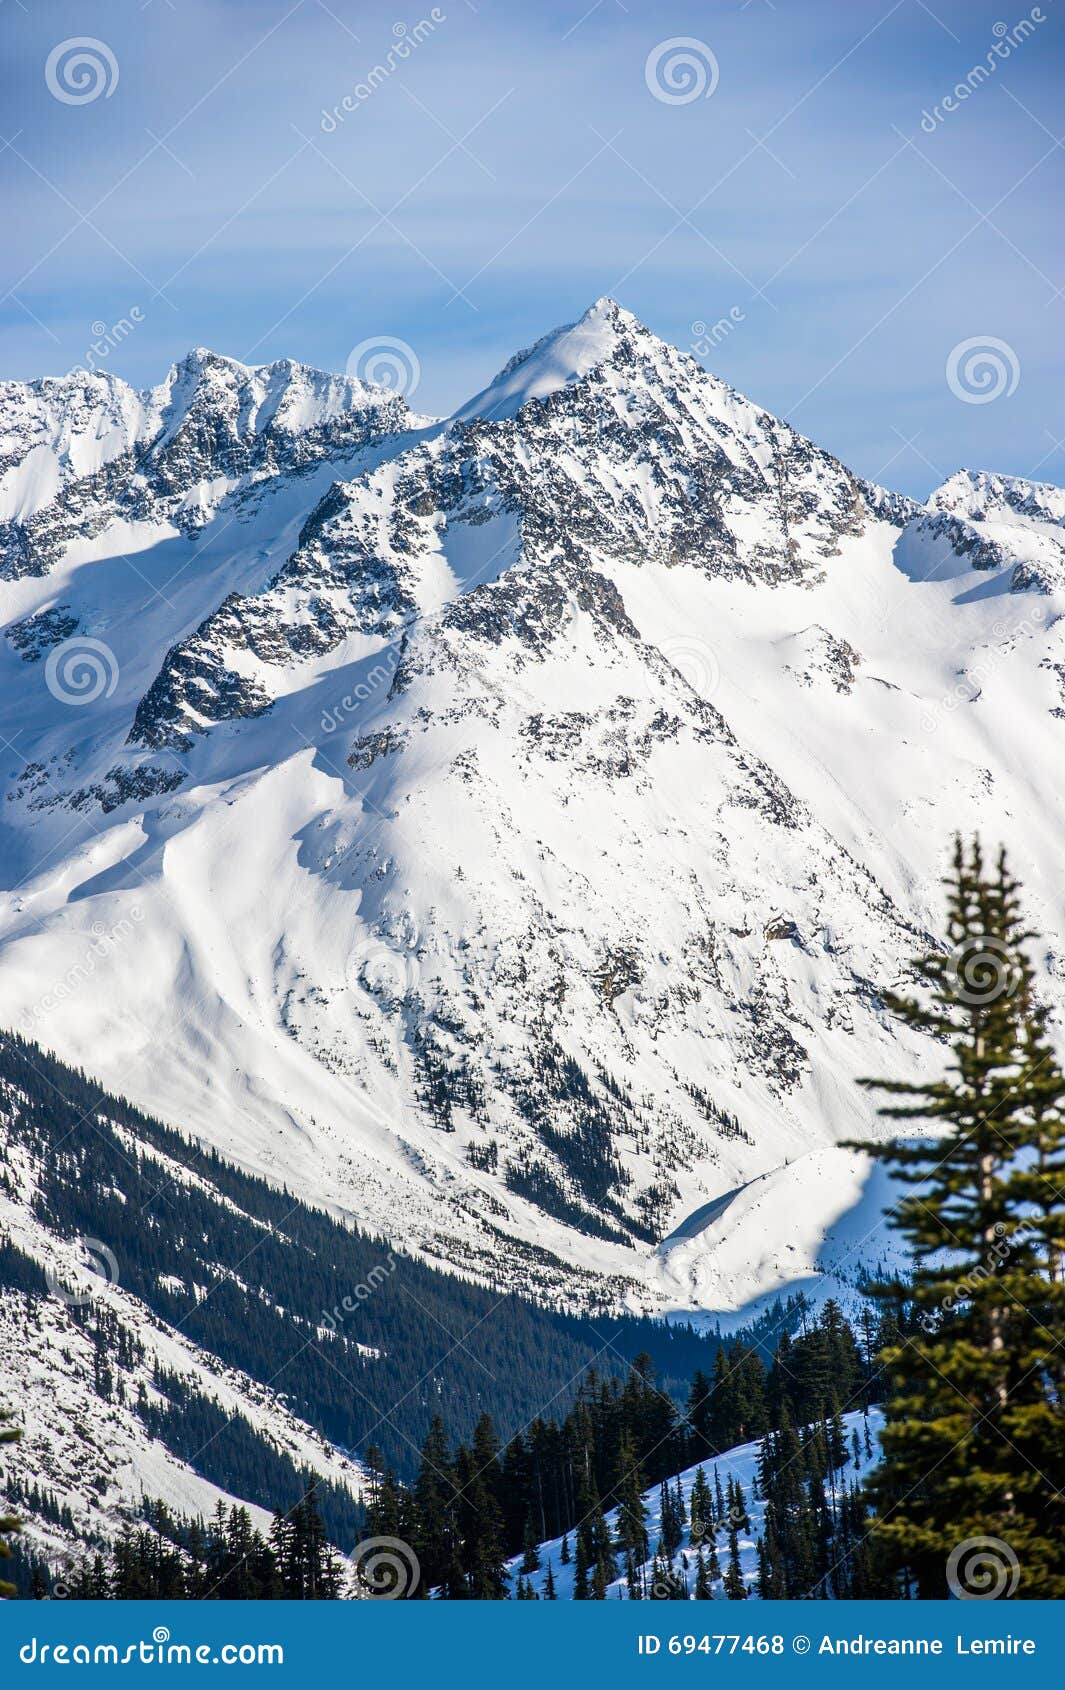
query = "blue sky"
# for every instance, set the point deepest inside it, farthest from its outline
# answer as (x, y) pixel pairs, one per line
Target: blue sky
(515, 165)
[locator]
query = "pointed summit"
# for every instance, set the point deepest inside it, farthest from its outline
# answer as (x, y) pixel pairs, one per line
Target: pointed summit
(565, 354)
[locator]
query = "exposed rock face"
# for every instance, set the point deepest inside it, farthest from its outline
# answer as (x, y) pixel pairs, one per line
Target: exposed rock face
(36, 635)
(646, 459)
(1004, 520)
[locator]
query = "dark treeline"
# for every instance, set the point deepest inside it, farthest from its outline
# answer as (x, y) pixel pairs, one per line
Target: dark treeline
(475, 1504)
(815, 1540)
(223, 1559)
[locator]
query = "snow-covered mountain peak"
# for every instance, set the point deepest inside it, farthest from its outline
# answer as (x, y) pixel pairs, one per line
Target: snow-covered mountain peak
(604, 333)
(247, 400)
(60, 429)
(602, 446)
(981, 496)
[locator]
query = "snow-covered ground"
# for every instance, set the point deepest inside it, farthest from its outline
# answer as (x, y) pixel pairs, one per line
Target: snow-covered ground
(740, 1464)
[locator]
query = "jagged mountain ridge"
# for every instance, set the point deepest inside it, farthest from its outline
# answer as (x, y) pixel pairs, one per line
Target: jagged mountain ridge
(81, 452)
(566, 780)
(712, 466)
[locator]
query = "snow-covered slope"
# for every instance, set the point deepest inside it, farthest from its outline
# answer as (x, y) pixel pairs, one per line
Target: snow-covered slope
(104, 1391)
(739, 1465)
(97, 1459)
(1014, 519)
(504, 841)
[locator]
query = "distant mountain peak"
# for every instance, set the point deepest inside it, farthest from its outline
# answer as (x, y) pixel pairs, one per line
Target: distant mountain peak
(977, 491)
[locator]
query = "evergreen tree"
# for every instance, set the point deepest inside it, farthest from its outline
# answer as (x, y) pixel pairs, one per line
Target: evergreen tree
(699, 1417)
(454, 1585)
(772, 1580)
(479, 1525)
(702, 1511)
(737, 1506)
(735, 1589)
(307, 1565)
(672, 1531)
(718, 1496)
(434, 1493)
(632, 1515)
(661, 1585)
(530, 1560)
(680, 1512)
(600, 1550)
(581, 1582)
(973, 1445)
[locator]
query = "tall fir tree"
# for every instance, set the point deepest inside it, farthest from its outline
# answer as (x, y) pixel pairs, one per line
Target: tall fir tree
(974, 1445)
(530, 1559)
(434, 1494)
(581, 1567)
